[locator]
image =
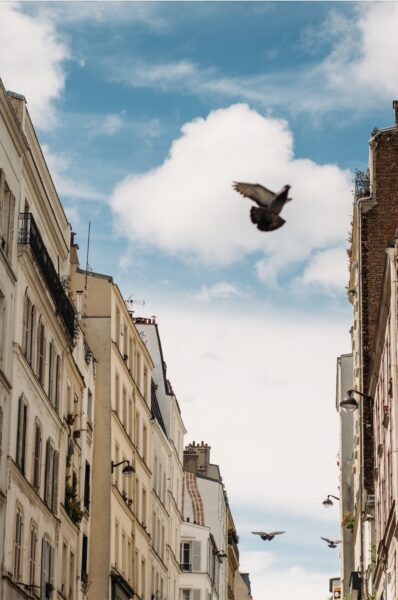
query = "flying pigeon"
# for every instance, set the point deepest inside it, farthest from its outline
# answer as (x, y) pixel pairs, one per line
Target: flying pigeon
(331, 543)
(266, 217)
(268, 536)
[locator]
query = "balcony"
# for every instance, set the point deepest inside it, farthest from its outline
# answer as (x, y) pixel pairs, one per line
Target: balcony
(29, 235)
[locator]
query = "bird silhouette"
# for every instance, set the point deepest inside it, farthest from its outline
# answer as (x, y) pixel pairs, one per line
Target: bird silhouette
(268, 536)
(267, 215)
(331, 543)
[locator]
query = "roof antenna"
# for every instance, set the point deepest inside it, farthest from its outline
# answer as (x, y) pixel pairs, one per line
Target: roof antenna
(88, 248)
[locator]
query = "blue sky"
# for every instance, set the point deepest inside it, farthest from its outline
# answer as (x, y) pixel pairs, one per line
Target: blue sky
(147, 112)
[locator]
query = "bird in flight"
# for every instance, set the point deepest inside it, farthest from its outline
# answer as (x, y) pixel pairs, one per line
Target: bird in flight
(331, 543)
(267, 215)
(268, 536)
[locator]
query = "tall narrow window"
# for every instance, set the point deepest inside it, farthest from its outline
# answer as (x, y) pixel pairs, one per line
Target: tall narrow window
(84, 570)
(41, 352)
(117, 328)
(144, 442)
(2, 325)
(57, 383)
(145, 394)
(89, 408)
(117, 544)
(48, 473)
(32, 554)
(21, 433)
(18, 544)
(124, 402)
(54, 483)
(143, 578)
(130, 418)
(29, 330)
(51, 373)
(36, 456)
(7, 213)
(87, 486)
(117, 395)
(1, 433)
(72, 576)
(143, 508)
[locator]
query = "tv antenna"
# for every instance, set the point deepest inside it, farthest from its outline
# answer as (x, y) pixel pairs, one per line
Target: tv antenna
(131, 302)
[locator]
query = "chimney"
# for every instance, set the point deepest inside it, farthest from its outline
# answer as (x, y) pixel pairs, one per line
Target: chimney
(190, 462)
(395, 107)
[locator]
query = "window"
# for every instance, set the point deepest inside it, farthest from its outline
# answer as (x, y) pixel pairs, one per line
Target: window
(130, 418)
(137, 431)
(117, 395)
(32, 553)
(51, 477)
(57, 383)
(129, 561)
(124, 554)
(143, 507)
(124, 401)
(1, 433)
(145, 394)
(41, 352)
(116, 544)
(7, 213)
(84, 558)
(64, 567)
(89, 407)
(117, 328)
(71, 594)
(18, 544)
(117, 459)
(87, 486)
(29, 330)
(2, 325)
(51, 372)
(21, 433)
(185, 556)
(143, 578)
(138, 369)
(144, 442)
(36, 456)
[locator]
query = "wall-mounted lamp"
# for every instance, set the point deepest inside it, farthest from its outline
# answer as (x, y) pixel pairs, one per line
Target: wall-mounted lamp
(327, 503)
(127, 470)
(350, 403)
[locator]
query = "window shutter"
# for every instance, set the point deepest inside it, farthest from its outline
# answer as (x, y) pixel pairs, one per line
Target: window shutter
(18, 545)
(31, 335)
(50, 373)
(57, 382)
(48, 473)
(196, 550)
(51, 561)
(87, 486)
(196, 594)
(19, 432)
(24, 425)
(11, 226)
(54, 495)
(36, 458)
(44, 567)
(25, 325)
(2, 188)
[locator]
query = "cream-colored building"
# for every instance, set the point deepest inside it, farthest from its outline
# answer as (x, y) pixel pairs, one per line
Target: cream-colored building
(44, 371)
(120, 508)
(168, 432)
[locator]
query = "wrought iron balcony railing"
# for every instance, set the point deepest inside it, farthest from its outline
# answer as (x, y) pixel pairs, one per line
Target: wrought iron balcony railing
(29, 235)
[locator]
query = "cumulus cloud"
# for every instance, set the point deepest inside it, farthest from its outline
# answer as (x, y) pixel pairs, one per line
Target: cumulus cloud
(327, 269)
(31, 61)
(187, 206)
(271, 399)
(221, 290)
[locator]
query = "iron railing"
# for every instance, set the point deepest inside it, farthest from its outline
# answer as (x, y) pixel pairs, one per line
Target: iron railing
(29, 235)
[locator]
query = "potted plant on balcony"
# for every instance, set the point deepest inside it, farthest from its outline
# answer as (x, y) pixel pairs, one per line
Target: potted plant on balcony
(73, 504)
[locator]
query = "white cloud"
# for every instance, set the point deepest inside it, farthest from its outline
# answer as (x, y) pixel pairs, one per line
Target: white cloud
(221, 290)
(258, 385)
(187, 205)
(67, 186)
(328, 269)
(31, 61)
(271, 579)
(111, 124)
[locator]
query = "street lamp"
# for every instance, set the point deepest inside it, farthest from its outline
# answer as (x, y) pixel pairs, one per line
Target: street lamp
(127, 470)
(327, 503)
(350, 403)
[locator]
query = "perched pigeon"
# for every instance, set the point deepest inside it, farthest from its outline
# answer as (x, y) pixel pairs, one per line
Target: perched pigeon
(268, 536)
(266, 217)
(331, 543)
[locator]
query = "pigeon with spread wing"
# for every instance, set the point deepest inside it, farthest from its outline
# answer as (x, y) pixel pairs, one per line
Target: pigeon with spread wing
(268, 536)
(331, 543)
(266, 216)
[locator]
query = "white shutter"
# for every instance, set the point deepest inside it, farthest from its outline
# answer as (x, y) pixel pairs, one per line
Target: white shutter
(54, 492)
(196, 550)
(19, 432)
(37, 457)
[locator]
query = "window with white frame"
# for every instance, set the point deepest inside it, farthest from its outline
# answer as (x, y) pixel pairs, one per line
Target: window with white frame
(33, 553)
(18, 543)
(51, 477)
(21, 433)
(29, 330)
(41, 352)
(7, 214)
(37, 443)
